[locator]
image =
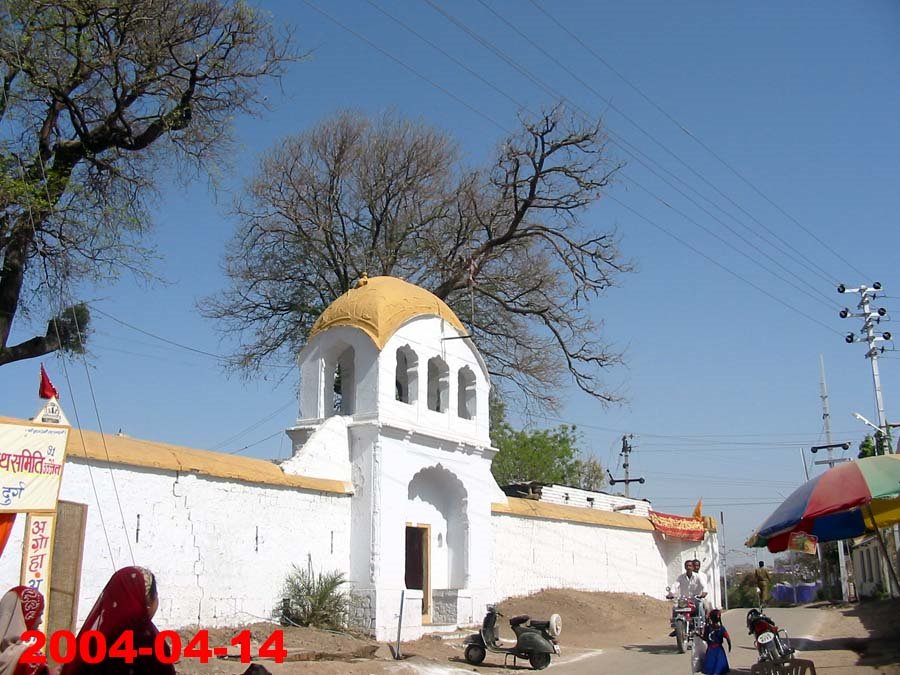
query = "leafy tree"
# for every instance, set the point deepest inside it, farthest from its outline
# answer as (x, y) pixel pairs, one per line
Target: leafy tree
(88, 89)
(867, 447)
(392, 197)
(544, 455)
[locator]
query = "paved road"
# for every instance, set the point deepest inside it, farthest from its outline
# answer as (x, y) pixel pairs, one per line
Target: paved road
(661, 657)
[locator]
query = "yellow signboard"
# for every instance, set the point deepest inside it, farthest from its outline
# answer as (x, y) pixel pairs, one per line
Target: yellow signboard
(31, 462)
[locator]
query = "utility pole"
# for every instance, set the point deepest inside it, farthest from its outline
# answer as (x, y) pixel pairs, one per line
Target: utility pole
(722, 559)
(626, 450)
(870, 319)
(826, 419)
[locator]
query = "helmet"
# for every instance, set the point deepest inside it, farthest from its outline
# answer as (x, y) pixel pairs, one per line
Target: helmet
(752, 616)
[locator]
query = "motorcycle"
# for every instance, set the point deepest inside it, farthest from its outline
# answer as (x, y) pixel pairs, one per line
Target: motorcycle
(687, 619)
(535, 640)
(772, 643)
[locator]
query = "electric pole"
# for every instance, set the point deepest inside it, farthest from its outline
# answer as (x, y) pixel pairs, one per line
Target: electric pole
(626, 450)
(826, 419)
(870, 319)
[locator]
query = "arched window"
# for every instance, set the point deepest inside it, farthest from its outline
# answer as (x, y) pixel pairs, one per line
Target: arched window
(465, 394)
(407, 379)
(344, 389)
(438, 384)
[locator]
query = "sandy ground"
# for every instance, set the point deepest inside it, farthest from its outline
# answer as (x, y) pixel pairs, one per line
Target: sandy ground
(866, 635)
(589, 620)
(861, 635)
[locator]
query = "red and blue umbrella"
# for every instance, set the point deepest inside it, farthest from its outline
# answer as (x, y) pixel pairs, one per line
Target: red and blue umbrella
(844, 502)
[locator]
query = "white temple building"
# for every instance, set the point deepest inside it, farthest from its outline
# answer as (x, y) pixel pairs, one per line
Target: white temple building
(389, 482)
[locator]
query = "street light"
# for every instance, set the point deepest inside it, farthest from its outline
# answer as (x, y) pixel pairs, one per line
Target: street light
(865, 421)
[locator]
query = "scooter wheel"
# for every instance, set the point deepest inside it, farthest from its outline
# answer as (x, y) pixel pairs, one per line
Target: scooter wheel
(475, 654)
(539, 661)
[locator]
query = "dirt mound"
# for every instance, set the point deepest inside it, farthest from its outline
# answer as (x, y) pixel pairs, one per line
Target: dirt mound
(590, 620)
(594, 620)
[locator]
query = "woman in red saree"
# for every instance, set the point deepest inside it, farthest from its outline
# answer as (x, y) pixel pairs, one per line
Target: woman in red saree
(20, 610)
(127, 603)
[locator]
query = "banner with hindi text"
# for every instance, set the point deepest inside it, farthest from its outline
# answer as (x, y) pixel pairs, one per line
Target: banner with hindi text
(31, 462)
(680, 527)
(37, 550)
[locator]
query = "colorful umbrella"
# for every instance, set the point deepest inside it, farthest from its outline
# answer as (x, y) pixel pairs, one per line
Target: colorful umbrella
(843, 502)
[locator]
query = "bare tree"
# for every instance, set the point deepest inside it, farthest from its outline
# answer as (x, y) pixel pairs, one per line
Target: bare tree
(504, 246)
(89, 88)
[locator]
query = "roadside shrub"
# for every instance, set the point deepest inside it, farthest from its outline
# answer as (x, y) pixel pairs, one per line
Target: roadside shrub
(315, 599)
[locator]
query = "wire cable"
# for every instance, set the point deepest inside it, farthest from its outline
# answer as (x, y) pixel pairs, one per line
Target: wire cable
(617, 138)
(795, 253)
(693, 136)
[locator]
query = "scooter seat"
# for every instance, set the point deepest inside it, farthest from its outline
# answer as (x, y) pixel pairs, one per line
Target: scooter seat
(541, 625)
(519, 620)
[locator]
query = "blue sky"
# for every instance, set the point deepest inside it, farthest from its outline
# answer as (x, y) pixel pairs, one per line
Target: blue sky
(721, 378)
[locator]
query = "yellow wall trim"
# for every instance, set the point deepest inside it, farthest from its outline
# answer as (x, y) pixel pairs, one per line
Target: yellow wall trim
(531, 508)
(83, 444)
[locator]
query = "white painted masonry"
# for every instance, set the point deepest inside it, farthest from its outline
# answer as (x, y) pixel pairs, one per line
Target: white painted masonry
(404, 444)
(220, 548)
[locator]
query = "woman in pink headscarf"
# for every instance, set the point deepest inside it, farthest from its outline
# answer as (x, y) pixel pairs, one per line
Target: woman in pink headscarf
(127, 603)
(20, 610)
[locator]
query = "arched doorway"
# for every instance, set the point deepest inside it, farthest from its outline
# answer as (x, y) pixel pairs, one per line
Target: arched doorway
(437, 532)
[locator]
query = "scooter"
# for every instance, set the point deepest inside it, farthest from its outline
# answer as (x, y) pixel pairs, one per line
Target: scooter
(535, 640)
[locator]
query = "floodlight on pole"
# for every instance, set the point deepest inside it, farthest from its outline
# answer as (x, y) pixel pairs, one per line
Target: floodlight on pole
(867, 422)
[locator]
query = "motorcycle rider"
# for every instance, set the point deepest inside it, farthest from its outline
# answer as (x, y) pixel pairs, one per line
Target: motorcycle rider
(691, 585)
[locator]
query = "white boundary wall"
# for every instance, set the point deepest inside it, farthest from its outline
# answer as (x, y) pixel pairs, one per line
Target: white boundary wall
(531, 554)
(220, 548)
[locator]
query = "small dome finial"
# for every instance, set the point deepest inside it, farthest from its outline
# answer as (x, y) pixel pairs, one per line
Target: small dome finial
(363, 280)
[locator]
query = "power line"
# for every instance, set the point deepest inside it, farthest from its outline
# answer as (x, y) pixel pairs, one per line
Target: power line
(250, 445)
(399, 62)
(173, 343)
(723, 267)
(448, 55)
(611, 105)
(253, 426)
(512, 63)
(693, 136)
(536, 80)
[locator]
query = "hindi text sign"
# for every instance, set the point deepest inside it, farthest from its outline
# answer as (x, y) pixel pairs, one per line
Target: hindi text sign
(37, 552)
(31, 462)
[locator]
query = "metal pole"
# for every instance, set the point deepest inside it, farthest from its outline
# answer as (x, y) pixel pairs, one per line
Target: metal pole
(722, 559)
(879, 404)
(826, 418)
(803, 459)
(872, 354)
(625, 451)
(400, 623)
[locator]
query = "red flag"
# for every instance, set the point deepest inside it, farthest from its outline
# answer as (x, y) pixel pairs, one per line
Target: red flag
(47, 389)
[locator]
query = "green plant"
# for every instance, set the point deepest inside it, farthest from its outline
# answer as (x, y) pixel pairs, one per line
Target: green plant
(315, 599)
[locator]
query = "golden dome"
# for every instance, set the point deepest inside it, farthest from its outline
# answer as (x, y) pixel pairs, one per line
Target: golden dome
(380, 305)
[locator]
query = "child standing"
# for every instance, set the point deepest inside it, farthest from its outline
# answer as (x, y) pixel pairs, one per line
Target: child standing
(715, 634)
